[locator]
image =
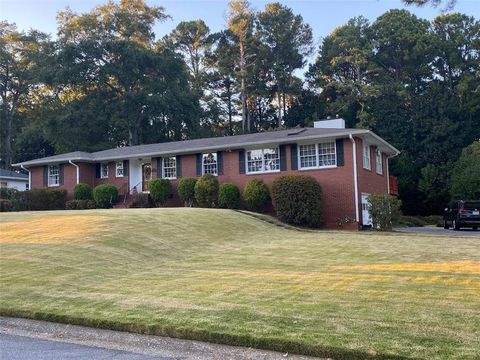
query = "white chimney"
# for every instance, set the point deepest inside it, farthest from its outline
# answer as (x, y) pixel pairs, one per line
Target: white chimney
(330, 124)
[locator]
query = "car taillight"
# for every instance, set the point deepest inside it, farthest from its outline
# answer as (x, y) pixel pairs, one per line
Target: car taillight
(464, 211)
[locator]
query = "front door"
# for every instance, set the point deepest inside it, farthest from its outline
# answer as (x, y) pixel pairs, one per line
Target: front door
(366, 218)
(146, 175)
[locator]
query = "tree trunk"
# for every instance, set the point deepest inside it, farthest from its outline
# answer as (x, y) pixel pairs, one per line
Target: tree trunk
(243, 86)
(279, 100)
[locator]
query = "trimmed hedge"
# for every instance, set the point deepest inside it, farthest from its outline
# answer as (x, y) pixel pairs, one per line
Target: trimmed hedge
(186, 191)
(45, 199)
(256, 195)
(80, 204)
(160, 190)
(206, 191)
(229, 196)
(82, 191)
(297, 200)
(105, 195)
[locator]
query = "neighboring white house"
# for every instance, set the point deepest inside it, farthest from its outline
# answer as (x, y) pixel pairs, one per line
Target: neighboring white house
(13, 180)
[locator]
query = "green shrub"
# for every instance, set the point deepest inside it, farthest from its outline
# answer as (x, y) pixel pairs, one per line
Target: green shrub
(206, 191)
(256, 195)
(436, 220)
(160, 191)
(142, 200)
(80, 204)
(19, 201)
(298, 200)
(7, 194)
(384, 210)
(82, 191)
(44, 199)
(105, 195)
(410, 221)
(229, 196)
(5, 205)
(186, 191)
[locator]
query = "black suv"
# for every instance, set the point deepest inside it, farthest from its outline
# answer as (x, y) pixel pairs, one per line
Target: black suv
(462, 214)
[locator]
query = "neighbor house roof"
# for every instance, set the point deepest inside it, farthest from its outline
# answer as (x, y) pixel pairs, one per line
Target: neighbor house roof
(8, 174)
(216, 143)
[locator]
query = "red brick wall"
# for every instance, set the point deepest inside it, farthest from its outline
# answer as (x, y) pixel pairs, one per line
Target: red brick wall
(337, 183)
(368, 180)
(69, 178)
(121, 183)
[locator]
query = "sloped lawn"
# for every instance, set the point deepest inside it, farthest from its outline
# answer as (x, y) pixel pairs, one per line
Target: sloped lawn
(224, 276)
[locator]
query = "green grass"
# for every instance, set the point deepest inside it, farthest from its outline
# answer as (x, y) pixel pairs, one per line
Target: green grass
(225, 276)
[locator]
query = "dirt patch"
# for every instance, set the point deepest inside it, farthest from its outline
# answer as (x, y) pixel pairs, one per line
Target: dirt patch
(51, 229)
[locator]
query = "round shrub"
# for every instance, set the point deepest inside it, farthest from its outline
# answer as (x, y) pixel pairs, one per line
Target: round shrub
(186, 190)
(256, 195)
(160, 190)
(5, 205)
(298, 200)
(206, 191)
(142, 200)
(229, 196)
(105, 195)
(82, 191)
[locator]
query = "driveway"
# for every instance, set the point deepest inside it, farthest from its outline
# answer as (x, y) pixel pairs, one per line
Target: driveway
(432, 230)
(22, 339)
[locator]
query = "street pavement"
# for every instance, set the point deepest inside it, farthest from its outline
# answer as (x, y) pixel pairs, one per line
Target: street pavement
(432, 230)
(23, 339)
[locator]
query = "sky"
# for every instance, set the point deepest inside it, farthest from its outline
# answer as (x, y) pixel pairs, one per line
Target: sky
(322, 15)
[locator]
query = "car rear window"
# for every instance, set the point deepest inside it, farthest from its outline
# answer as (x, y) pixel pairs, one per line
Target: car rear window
(471, 205)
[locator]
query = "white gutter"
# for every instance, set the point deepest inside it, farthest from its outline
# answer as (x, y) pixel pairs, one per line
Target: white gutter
(355, 176)
(78, 170)
(29, 177)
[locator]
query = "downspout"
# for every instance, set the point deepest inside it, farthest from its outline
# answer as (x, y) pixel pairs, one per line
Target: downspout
(78, 170)
(29, 177)
(355, 176)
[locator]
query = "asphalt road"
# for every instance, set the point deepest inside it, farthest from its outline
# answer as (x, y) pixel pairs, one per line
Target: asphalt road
(14, 347)
(22, 339)
(431, 230)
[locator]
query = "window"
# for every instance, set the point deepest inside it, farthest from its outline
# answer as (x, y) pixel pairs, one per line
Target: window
(119, 169)
(104, 170)
(317, 155)
(263, 160)
(366, 157)
(169, 167)
(378, 161)
(209, 163)
(53, 175)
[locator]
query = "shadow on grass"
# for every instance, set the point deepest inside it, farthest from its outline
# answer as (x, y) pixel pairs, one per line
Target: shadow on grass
(266, 343)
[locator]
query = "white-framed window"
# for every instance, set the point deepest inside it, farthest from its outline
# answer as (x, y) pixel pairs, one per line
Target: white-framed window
(366, 157)
(53, 175)
(263, 160)
(169, 167)
(378, 162)
(321, 155)
(104, 170)
(119, 171)
(209, 164)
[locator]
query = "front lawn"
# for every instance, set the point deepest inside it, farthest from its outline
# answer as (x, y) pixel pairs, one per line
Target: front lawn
(224, 276)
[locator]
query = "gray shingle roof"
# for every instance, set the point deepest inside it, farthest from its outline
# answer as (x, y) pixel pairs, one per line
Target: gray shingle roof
(12, 175)
(211, 144)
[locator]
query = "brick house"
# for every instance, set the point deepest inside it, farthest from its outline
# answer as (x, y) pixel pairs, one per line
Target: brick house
(348, 163)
